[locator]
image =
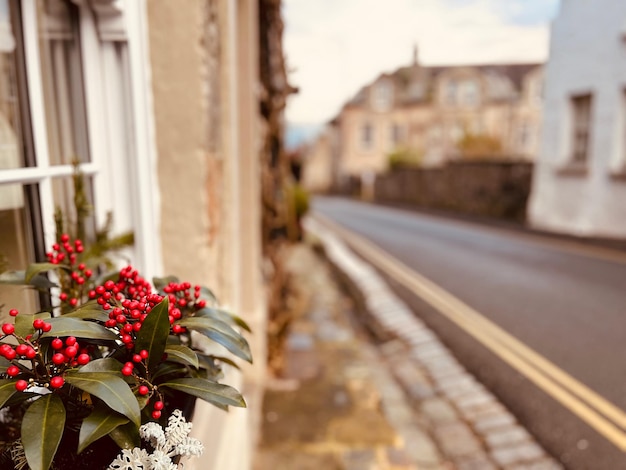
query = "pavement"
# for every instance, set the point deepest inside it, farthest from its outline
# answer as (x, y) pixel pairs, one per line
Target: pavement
(366, 385)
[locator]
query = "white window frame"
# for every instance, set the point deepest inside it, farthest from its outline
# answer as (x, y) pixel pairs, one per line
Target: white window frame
(115, 20)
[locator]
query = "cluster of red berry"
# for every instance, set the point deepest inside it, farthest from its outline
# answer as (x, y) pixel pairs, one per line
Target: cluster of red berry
(28, 349)
(64, 251)
(145, 387)
(73, 283)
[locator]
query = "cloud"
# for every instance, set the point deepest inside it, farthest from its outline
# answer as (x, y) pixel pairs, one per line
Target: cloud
(334, 47)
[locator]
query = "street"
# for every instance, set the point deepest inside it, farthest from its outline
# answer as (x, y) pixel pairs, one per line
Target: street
(538, 321)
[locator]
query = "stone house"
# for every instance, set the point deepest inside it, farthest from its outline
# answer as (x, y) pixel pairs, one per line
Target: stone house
(579, 183)
(433, 114)
(159, 102)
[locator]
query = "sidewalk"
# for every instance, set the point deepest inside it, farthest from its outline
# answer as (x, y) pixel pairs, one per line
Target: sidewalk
(404, 402)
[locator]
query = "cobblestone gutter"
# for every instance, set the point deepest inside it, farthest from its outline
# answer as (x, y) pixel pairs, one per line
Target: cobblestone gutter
(470, 428)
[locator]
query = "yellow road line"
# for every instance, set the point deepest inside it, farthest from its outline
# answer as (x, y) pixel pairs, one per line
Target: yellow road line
(535, 367)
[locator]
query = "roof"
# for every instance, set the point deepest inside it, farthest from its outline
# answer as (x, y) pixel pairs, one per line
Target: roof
(403, 77)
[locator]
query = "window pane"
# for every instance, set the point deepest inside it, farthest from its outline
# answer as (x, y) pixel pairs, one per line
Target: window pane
(62, 81)
(63, 193)
(16, 248)
(11, 155)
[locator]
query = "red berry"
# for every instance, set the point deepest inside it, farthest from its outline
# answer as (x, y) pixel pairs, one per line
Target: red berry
(57, 381)
(136, 358)
(126, 338)
(38, 323)
(110, 323)
(127, 371)
(65, 238)
(156, 414)
(83, 359)
(70, 341)
(21, 349)
(73, 301)
(57, 343)
(121, 319)
(63, 296)
(177, 329)
(13, 371)
(71, 351)
(58, 358)
(46, 327)
(81, 266)
(144, 354)
(143, 390)
(13, 312)
(21, 385)
(10, 354)
(8, 328)
(88, 273)
(31, 353)
(158, 405)
(201, 303)
(128, 328)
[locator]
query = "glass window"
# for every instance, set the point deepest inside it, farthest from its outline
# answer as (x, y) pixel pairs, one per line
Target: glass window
(581, 107)
(11, 154)
(16, 247)
(367, 136)
(59, 50)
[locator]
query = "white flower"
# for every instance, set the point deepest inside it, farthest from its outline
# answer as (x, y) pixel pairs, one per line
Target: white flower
(153, 433)
(174, 441)
(159, 460)
(136, 459)
(177, 429)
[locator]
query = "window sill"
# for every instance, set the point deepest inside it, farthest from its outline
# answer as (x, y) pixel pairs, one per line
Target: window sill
(573, 169)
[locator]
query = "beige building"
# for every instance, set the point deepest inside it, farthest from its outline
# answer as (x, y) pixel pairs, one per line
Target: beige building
(159, 100)
(428, 115)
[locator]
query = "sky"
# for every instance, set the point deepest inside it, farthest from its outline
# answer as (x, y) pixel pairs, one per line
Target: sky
(334, 47)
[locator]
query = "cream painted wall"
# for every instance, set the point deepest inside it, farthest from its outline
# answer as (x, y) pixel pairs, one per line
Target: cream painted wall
(587, 54)
(208, 140)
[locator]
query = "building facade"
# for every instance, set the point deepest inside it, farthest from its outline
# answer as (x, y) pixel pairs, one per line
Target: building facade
(579, 184)
(158, 103)
(429, 115)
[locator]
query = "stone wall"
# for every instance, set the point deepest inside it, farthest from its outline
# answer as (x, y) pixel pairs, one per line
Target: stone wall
(493, 189)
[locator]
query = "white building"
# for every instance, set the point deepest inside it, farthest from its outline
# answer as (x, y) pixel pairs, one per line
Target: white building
(579, 183)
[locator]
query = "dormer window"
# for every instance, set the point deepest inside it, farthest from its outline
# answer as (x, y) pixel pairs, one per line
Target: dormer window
(383, 95)
(469, 93)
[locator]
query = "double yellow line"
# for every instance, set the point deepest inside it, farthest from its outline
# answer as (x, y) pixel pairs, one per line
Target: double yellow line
(603, 416)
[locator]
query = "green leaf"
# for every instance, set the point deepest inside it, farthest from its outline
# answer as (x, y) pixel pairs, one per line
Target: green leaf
(126, 436)
(91, 311)
(224, 316)
(107, 364)
(154, 332)
(207, 293)
(42, 430)
(182, 354)
(37, 268)
(13, 277)
(110, 389)
(7, 389)
(228, 361)
(161, 282)
(167, 368)
(208, 391)
(221, 333)
(63, 326)
(24, 323)
(4, 365)
(98, 424)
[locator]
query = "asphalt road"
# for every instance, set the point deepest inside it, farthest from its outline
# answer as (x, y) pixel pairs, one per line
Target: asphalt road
(566, 302)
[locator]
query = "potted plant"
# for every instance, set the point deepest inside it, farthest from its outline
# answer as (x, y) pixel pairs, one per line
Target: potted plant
(109, 366)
